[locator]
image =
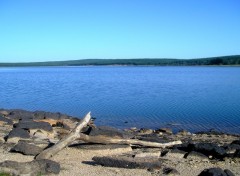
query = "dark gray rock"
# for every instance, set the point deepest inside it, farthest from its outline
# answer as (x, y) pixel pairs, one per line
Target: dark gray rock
(26, 148)
(232, 148)
(33, 125)
(18, 132)
(108, 131)
(127, 162)
(49, 115)
(236, 142)
(20, 115)
(31, 168)
(170, 171)
(216, 172)
(6, 120)
(237, 153)
(209, 149)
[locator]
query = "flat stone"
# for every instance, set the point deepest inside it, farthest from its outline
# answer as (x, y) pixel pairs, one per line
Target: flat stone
(20, 115)
(26, 148)
(209, 149)
(34, 167)
(34, 125)
(127, 162)
(16, 134)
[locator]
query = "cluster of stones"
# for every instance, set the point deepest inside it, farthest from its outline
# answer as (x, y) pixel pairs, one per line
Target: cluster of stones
(30, 133)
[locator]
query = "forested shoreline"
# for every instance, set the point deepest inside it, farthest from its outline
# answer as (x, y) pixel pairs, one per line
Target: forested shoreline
(221, 60)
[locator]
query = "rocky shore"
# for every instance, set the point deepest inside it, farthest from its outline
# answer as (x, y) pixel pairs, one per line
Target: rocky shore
(25, 134)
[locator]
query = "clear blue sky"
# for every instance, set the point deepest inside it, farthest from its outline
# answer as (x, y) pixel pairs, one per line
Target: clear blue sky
(42, 30)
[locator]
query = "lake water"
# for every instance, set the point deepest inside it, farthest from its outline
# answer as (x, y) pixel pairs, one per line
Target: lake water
(192, 98)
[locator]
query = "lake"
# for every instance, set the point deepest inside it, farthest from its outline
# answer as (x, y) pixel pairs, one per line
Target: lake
(192, 98)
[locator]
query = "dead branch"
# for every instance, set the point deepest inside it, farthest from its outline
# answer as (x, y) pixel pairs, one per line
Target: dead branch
(73, 135)
(107, 140)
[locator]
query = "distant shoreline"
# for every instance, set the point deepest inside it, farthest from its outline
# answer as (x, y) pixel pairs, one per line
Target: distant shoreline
(233, 60)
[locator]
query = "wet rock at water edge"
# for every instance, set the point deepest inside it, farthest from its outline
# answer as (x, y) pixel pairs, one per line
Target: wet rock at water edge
(20, 115)
(209, 149)
(216, 172)
(26, 148)
(34, 125)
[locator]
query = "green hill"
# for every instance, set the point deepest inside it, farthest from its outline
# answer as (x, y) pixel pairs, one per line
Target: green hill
(222, 60)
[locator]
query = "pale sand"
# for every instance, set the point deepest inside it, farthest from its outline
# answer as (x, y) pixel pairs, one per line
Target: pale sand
(72, 164)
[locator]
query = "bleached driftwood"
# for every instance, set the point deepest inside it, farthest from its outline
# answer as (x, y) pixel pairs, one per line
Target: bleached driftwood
(72, 136)
(108, 140)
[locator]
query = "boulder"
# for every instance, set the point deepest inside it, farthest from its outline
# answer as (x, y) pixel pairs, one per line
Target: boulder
(26, 148)
(209, 149)
(16, 134)
(33, 125)
(216, 172)
(32, 168)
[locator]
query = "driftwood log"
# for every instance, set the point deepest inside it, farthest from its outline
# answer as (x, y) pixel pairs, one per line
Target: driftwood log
(72, 136)
(76, 134)
(108, 140)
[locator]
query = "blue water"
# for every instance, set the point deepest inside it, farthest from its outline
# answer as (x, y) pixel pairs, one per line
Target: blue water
(192, 98)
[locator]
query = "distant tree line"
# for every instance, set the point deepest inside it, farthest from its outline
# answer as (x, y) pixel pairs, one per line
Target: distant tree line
(222, 60)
